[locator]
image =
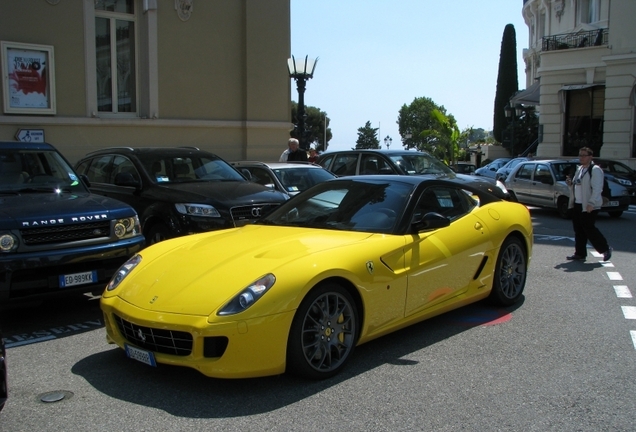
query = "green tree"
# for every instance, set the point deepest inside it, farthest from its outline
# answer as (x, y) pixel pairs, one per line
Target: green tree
(314, 126)
(447, 135)
(526, 130)
(367, 137)
(507, 80)
(418, 117)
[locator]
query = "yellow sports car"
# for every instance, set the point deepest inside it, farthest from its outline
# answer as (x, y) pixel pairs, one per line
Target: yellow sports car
(347, 261)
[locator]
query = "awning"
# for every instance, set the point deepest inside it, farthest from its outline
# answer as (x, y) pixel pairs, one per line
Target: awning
(579, 86)
(529, 96)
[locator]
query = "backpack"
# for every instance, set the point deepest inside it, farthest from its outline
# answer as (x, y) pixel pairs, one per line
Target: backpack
(606, 193)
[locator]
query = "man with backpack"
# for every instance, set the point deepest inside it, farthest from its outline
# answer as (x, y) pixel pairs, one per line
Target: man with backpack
(586, 187)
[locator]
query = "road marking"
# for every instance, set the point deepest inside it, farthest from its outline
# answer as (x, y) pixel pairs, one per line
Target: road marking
(622, 291)
(614, 276)
(633, 333)
(629, 312)
(607, 264)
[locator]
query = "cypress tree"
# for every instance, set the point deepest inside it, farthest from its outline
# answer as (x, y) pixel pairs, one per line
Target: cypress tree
(507, 81)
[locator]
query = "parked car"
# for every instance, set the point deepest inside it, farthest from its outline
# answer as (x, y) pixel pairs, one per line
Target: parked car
(346, 261)
(541, 183)
(619, 173)
(4, 393)
(401, 162)
(464, 168)
(490, 170)
(56, 238)
(503, 172)
(286, 177)
(178, 190)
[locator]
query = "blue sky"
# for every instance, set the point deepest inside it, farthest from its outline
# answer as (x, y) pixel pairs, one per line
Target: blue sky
(377, 55)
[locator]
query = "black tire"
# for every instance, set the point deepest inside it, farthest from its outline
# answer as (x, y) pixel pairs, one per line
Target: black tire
(562, 207)
(157, 233)
(616, 214)
(510, 273)
(323, 334)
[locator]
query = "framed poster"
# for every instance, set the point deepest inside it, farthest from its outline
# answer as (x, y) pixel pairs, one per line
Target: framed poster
(28, 78)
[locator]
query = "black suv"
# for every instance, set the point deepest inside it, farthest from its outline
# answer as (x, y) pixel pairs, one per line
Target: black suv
(401, 162)
(56, 237)
(177, 190)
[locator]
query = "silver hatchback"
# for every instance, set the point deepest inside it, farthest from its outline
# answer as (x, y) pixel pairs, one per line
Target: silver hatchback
(541, 183)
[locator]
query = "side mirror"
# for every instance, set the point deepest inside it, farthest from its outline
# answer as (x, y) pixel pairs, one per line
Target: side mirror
(85, 180)
(429, 221)
(126, 179)
(246, 173)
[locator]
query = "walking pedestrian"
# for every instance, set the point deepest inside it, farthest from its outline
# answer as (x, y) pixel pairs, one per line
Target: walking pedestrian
(585, 201)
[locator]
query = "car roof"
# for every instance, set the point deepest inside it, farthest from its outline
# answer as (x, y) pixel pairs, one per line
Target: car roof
(21, 145)
(276, 165)
(381, 151)
(151, 150)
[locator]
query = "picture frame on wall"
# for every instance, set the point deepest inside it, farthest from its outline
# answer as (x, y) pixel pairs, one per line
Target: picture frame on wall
(28, 78)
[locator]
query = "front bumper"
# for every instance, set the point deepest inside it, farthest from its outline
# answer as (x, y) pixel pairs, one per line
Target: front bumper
(35, 275)
(255, 346)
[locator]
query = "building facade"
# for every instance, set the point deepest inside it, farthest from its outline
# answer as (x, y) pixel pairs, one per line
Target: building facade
(581, 60)
(88, 74)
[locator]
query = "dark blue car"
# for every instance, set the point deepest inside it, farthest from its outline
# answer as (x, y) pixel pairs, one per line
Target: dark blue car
(56, 237)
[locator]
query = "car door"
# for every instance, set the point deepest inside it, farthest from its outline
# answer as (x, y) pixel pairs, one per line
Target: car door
(542, 184)
(102, 171)
(442, 263)
(521, 183)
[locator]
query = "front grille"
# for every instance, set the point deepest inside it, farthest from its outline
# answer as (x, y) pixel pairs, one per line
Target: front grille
(156, 340)
(65, 233)
(251, 212)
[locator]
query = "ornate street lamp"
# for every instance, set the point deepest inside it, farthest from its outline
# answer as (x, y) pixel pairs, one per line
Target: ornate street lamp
(512, 114)
(387, 141)
(301, 70)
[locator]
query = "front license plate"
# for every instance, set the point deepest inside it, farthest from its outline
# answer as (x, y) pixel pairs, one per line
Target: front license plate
(143, 356)
(78, 279)
(612, 204)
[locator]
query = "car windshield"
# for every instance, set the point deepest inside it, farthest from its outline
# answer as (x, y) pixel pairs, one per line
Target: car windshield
(26, 171)
(300, 178)
(563, 169)
(188, 168)
(366, 206)
(421, 163)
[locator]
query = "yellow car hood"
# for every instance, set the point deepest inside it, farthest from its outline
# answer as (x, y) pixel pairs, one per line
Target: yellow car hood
(196, 275)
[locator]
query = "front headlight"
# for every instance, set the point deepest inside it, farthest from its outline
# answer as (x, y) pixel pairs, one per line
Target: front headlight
(8, 242)
(248, 296)
(122, 272)
(203, 210)
(623, 182)
(127, 227)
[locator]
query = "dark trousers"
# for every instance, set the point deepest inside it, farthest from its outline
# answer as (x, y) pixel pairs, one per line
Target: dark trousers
(584, 225)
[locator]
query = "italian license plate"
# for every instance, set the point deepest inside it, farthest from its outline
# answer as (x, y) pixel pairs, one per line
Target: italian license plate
(78, 279)
(143, 356)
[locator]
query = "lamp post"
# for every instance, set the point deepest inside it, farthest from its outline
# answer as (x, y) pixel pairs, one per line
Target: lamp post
(513, 114)
(301, 70)
(387, 141)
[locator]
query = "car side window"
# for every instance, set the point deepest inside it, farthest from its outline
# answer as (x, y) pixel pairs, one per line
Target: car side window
(449, 202)
(99, 169)
(123, 165)
(345, 164)
(325, 161)
(261, 176)
(525, 172)
(542, 173)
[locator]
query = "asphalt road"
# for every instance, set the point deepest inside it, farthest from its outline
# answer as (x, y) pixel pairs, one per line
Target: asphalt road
(564, 359)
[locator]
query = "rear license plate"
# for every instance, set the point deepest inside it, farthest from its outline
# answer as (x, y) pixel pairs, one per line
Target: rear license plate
(143, 356)
(78, 279)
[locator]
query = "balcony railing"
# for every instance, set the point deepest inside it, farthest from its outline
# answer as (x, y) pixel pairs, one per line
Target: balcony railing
(575, 40)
